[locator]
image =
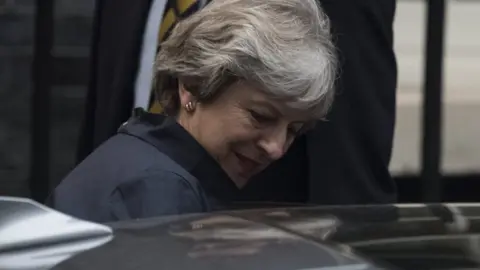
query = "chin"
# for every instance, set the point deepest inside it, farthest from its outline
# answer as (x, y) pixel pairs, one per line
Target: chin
(240, 181)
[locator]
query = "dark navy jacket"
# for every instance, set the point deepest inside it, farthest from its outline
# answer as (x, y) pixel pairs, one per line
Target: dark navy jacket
(152, 167)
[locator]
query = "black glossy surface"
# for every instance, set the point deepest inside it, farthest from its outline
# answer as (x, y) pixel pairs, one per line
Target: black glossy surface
(356, 237)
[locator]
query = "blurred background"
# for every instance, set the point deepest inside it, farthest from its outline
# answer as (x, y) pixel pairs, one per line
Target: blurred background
(460, 135)
(72, 28)
(461, 97)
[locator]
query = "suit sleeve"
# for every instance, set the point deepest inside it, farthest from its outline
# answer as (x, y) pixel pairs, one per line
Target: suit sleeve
(157, 194)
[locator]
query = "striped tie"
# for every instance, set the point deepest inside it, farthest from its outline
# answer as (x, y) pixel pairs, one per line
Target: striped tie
(176, 9)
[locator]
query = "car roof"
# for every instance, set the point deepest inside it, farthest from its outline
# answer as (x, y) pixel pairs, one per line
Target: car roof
(416, 236)
(334, 237)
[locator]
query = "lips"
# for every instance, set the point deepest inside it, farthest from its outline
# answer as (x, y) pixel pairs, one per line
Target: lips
(247, 165)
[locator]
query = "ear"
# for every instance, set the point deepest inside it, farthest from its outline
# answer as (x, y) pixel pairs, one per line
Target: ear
(184, 95)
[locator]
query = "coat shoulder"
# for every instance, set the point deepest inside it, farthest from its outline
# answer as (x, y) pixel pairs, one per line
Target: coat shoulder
(125, 173)
(156, 193)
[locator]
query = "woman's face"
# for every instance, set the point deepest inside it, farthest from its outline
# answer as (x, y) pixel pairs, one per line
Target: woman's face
(243, 129)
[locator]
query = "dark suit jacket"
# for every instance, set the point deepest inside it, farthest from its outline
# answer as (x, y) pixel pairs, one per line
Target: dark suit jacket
(345, 160)
(152, 167)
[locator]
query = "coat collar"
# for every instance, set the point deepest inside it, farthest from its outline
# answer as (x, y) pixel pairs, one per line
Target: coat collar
(170, 138)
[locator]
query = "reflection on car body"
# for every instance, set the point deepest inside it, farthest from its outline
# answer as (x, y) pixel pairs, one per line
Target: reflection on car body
(442, 236)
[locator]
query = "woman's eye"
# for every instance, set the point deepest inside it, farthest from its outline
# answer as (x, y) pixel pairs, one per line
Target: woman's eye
(260, 117)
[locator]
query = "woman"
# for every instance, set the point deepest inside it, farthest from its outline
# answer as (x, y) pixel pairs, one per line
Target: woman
(239, 80)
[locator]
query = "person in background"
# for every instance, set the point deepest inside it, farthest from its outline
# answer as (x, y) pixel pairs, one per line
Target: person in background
(238, 81)
(345, 160)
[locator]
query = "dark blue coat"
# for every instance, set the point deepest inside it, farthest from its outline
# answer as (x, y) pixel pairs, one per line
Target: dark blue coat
(152, 167)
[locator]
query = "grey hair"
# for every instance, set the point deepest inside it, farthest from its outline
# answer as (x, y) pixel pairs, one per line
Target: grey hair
(282, 46)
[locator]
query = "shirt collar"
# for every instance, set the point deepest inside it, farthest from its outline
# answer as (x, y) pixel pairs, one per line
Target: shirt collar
(170, 138)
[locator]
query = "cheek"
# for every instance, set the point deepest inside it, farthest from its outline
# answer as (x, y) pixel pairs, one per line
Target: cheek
(240, 135)
(221, 136)
(224, 130)
(239, 127)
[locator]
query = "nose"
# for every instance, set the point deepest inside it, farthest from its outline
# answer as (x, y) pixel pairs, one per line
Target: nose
(274, 145)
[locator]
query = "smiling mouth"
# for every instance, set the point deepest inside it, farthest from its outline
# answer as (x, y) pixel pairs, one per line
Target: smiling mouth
(247, 165)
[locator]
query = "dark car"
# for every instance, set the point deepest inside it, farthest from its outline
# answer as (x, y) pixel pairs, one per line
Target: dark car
(441, 236)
